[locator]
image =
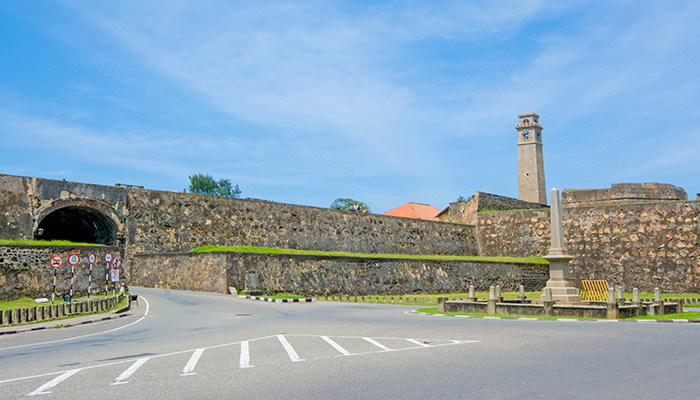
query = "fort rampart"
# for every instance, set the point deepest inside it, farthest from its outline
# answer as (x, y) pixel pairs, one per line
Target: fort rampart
(325, 275)
(643, 245)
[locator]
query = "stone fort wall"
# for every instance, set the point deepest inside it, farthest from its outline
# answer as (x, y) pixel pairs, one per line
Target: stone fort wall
(643, 245)
(160, 222)
(324, 275)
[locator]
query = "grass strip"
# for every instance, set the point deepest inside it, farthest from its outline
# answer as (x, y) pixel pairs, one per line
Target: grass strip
(684, 315)
(28, 302)
(272, 250)
(48, 243)
(123, 303)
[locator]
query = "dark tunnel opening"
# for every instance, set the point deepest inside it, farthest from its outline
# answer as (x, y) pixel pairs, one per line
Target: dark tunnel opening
(77, 224)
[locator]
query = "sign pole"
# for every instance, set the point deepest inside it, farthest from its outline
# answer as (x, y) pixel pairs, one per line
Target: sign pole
(73, 260)
(108, 260)
(91, 260)
(56, 262)
(53, 292)
(72, 273)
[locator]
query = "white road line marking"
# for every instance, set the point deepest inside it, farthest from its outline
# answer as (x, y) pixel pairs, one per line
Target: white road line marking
(374, 342)
(336, 345)
(84, 336)
(189, 367)
(245, 356)
(419, 343)
(121, 379)
(44, 389)
(290, 350)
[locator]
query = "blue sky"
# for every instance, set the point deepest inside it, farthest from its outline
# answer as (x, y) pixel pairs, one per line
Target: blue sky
(385, 102)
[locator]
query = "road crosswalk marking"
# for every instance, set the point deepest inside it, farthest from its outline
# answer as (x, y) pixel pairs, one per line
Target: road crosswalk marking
(245, 351)
(189, 367)
(44, 389)
(121, 379)
(335, 345)
(245, 356)
(374, 342)
(289, 349)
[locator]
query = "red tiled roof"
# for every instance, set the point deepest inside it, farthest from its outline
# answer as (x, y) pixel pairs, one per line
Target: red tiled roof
(415, 210)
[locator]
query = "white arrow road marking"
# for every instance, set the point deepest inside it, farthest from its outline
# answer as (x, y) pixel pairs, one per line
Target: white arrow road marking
(44, 389)
(374, 342)
(336, 345)
(245, 356)
(189, 367)
(121, 379)
(289, 349)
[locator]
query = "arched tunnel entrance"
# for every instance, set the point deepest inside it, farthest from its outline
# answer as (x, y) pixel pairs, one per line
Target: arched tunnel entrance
(77, 224)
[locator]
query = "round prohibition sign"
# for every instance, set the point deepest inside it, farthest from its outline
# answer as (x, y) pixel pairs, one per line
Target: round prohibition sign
(56, 261)
(73, 259)
(108, 258)
(91, 258)
(116, 263)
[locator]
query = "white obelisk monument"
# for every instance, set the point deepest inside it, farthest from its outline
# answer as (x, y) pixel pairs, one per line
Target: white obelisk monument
(563, 290)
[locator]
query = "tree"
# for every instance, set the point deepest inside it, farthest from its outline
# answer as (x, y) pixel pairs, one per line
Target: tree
(205, 184)
(462, 198)
(349, 204)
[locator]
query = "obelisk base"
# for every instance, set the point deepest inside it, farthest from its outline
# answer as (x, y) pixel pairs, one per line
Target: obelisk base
(563, 290)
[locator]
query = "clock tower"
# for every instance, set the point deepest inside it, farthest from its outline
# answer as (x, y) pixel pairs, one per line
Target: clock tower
(531, 186)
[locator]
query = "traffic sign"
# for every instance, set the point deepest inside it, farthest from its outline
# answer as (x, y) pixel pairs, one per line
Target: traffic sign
(108, 258)
(114, 274)
(91, 258)
(73, 259)
(116, 263)
(56, 261)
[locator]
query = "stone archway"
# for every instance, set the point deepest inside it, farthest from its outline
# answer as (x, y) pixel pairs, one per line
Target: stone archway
(77, 222)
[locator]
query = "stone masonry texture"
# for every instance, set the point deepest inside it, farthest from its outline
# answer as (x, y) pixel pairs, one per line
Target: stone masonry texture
(323, 275)
(174, 222)
(643, 245)
(25, 271)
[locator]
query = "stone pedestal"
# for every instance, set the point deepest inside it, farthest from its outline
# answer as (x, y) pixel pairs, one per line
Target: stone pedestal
(563, 290)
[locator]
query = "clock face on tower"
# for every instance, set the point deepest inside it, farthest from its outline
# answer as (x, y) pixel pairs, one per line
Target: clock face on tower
(526, 135)
(538, 135)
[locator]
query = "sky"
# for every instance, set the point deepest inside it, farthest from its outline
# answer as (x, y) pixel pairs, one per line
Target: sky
(385, 102)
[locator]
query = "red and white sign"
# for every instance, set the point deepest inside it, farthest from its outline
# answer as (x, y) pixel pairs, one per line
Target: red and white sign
(108, 258)
(114, 274)
(73, 259)
(116, 263)
(91, 258)
(56, 261)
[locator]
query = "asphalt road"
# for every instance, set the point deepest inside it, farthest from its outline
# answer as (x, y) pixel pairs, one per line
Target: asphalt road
(184, 345)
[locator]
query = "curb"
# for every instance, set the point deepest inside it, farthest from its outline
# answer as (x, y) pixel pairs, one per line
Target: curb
(663, 321)
(115, 314)
(269, 300)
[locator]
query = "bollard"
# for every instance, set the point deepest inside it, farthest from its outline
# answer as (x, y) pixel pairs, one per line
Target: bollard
(491, 302)
(637, 302)
(32, 313)
(620, 296)
(612, 305)
(492, 293)
(7, 319)
(548, 302)
(521, 296)
(441, 303)
(472, 293)
(498, 294)
(657, 294)
(363, 299)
